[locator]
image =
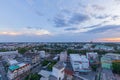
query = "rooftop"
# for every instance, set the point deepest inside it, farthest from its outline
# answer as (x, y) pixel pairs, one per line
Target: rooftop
(75, 57)
(31, 55)
(13, 67)
(51, 77)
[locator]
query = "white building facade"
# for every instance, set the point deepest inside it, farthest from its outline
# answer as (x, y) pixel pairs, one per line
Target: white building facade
(79, 63)
(58, 71)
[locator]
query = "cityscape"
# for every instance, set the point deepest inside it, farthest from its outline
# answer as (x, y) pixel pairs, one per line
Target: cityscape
(60, 40)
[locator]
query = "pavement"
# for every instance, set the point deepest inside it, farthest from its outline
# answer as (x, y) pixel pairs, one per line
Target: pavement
(107, 74)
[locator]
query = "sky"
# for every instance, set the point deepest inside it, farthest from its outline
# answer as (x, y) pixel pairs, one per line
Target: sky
(59, 20)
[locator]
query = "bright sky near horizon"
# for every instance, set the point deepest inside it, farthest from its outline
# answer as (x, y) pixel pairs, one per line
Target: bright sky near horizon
(59, 20)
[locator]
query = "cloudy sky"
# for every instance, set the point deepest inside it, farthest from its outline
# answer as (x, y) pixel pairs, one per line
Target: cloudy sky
(59, 20)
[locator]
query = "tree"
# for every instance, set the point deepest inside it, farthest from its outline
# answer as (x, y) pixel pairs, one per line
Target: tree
(116, 67)
(94, 67)
(33, 77)
(22, 50)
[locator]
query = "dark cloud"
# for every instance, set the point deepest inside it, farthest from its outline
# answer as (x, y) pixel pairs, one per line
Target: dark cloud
(115, 17)
(98, 7)
(96, 25)
(76, 18)
(36, 28)
(66, 11)
(100, 16)
(104, 28)
(93, 26)
(38, 13)
(60, 22)
(71, 29)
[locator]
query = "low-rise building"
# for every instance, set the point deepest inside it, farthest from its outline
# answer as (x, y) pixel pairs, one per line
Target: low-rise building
(32, 58)
(12, 62)
(106, 60)
(15, 72)
(10, 54)
(45, 74)
(103, 47)
(58, 71)
(79, 63)
(87, 46)
(92, 56)
(42, 54)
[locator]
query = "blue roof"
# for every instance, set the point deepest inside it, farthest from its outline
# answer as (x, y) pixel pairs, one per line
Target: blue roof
(13, 67)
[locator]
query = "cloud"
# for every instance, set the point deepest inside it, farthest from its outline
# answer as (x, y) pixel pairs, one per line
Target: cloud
(103, 16)
(78, 18)
(35, 28)
(117, 39)
(10, 33)
(33, 8)
(38, 13)
(60, 22)
(98, 7)
(117, 1)
(105, 28)
(70, 20)
(96, 25)
(42, 32)
(71, 29)
(30, 2)
(26, 32)
(115, 17)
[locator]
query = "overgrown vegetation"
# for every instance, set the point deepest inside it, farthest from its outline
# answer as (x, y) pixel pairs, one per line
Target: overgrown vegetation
(49, 67)
(51, 64)
(33, 77)
(116, 67)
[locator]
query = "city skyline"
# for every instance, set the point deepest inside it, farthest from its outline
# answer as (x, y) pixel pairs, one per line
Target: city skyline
(59, 21)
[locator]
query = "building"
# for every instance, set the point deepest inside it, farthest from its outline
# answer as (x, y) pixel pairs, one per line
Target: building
(58, 71)
(79, 63)
(45, 74)
(10, 54)
(68, 74)
(32, 58)
(92, 56)
(107, 60)
(42, 54)
(103, 47)
(15, 72)
(12, 62)
(63, 56)
(87, 46)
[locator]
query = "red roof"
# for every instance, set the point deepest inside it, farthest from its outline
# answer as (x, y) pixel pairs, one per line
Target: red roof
(68, 72)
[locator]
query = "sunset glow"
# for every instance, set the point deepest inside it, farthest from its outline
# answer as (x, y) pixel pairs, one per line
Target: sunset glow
(110, 39)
